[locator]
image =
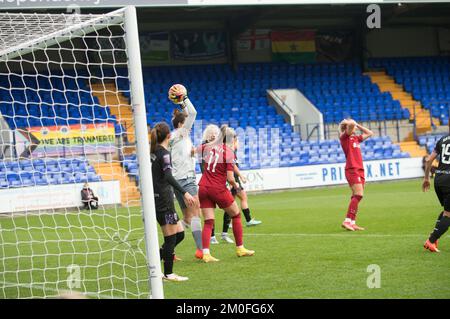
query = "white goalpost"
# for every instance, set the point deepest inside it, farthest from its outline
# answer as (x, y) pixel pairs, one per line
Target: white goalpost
(74, 216)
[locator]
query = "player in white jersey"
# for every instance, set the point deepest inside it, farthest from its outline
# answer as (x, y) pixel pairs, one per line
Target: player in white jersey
(183, 162)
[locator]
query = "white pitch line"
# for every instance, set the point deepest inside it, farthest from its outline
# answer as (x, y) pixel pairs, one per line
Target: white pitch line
(41, 287)
(340, 235)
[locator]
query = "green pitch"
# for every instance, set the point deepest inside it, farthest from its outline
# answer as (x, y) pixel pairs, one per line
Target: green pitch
(301, 251)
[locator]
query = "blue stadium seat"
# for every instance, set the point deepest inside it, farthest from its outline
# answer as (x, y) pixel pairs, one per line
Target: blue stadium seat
(39, 172)
(426, 78)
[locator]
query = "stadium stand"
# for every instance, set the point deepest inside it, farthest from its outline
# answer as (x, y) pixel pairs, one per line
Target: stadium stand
(429, 141)
(40, 100)
(337, 89)
(39, 172)
(426, 78)
(239, 99)
(221, 96)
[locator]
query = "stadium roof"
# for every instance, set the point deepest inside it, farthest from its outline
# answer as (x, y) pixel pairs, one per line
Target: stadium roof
(28, 4)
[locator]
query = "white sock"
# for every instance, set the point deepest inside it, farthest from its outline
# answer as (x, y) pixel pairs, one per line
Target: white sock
(353, 222)
(196, 223)
(196, 227)
(205, 251)
(347, 220)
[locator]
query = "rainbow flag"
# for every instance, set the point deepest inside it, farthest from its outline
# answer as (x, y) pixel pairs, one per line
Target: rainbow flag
(294, 46)
(72, 139)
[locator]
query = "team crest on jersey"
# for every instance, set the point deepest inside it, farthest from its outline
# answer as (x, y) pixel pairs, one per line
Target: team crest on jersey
(166, 159)
(356, 145)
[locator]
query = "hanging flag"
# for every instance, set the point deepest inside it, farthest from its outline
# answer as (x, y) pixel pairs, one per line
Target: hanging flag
(155, 47)
(335, 46)
(294, 46)
(254, 39)
(198, 45)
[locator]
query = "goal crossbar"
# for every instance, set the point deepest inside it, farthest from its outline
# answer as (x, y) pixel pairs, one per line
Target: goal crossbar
(68, 26)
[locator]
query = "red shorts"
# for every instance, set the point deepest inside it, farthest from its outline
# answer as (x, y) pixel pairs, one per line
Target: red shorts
(355, 176)
(210, 197)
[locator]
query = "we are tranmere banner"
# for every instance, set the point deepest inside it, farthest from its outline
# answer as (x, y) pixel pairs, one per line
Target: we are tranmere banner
(294, 46)
(71, 140)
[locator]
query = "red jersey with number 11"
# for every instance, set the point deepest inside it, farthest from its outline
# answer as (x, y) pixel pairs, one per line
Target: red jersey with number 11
(217, 159)
(351, 147)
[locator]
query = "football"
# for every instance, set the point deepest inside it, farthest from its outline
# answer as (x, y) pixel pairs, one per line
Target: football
(177, 93)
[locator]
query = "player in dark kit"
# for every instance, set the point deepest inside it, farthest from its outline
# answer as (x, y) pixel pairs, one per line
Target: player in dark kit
(354, 168)
(163, 181)
(442, 189)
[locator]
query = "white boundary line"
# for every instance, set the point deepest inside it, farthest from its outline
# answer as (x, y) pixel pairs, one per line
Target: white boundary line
(41, 287)
(361, 235)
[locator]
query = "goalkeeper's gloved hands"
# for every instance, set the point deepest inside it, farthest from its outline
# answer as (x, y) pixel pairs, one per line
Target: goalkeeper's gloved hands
(183, 105)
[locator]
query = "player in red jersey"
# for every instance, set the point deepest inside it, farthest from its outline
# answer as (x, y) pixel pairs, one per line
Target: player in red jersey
(354, 168)
(218, 159)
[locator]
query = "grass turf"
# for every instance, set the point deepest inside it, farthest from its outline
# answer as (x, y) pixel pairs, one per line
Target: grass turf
(301, 251)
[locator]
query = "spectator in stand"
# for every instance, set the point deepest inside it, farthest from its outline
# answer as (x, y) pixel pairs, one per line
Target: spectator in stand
(90, 201)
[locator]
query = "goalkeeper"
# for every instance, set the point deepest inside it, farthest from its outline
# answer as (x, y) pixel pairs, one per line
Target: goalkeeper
(183, 162)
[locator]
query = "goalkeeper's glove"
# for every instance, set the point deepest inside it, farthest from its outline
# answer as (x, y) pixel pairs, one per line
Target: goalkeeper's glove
(183, 105)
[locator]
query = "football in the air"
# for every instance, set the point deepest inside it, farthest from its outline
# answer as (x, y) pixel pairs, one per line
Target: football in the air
(177, 93)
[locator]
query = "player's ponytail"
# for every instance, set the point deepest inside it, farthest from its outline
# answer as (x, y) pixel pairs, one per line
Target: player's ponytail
(178, 117)
(223, 132)
(228, 135)
(158, 134)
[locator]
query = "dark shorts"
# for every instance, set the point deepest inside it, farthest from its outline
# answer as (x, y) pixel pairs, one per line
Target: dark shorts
(210, 197)
(167, 217)
(355, 176)
(442, 189)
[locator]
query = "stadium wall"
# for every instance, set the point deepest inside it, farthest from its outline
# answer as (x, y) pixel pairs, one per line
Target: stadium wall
(403, 42)
(329, 174)
(42, 198)
(390, 41)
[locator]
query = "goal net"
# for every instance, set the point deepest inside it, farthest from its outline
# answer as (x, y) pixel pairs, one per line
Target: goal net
(70, 214)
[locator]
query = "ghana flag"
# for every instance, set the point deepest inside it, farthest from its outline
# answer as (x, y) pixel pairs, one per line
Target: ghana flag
(294, 46)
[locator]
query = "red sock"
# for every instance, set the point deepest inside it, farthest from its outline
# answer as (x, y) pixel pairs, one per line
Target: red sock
(206, 233)
(353, 207)
(237, 230)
